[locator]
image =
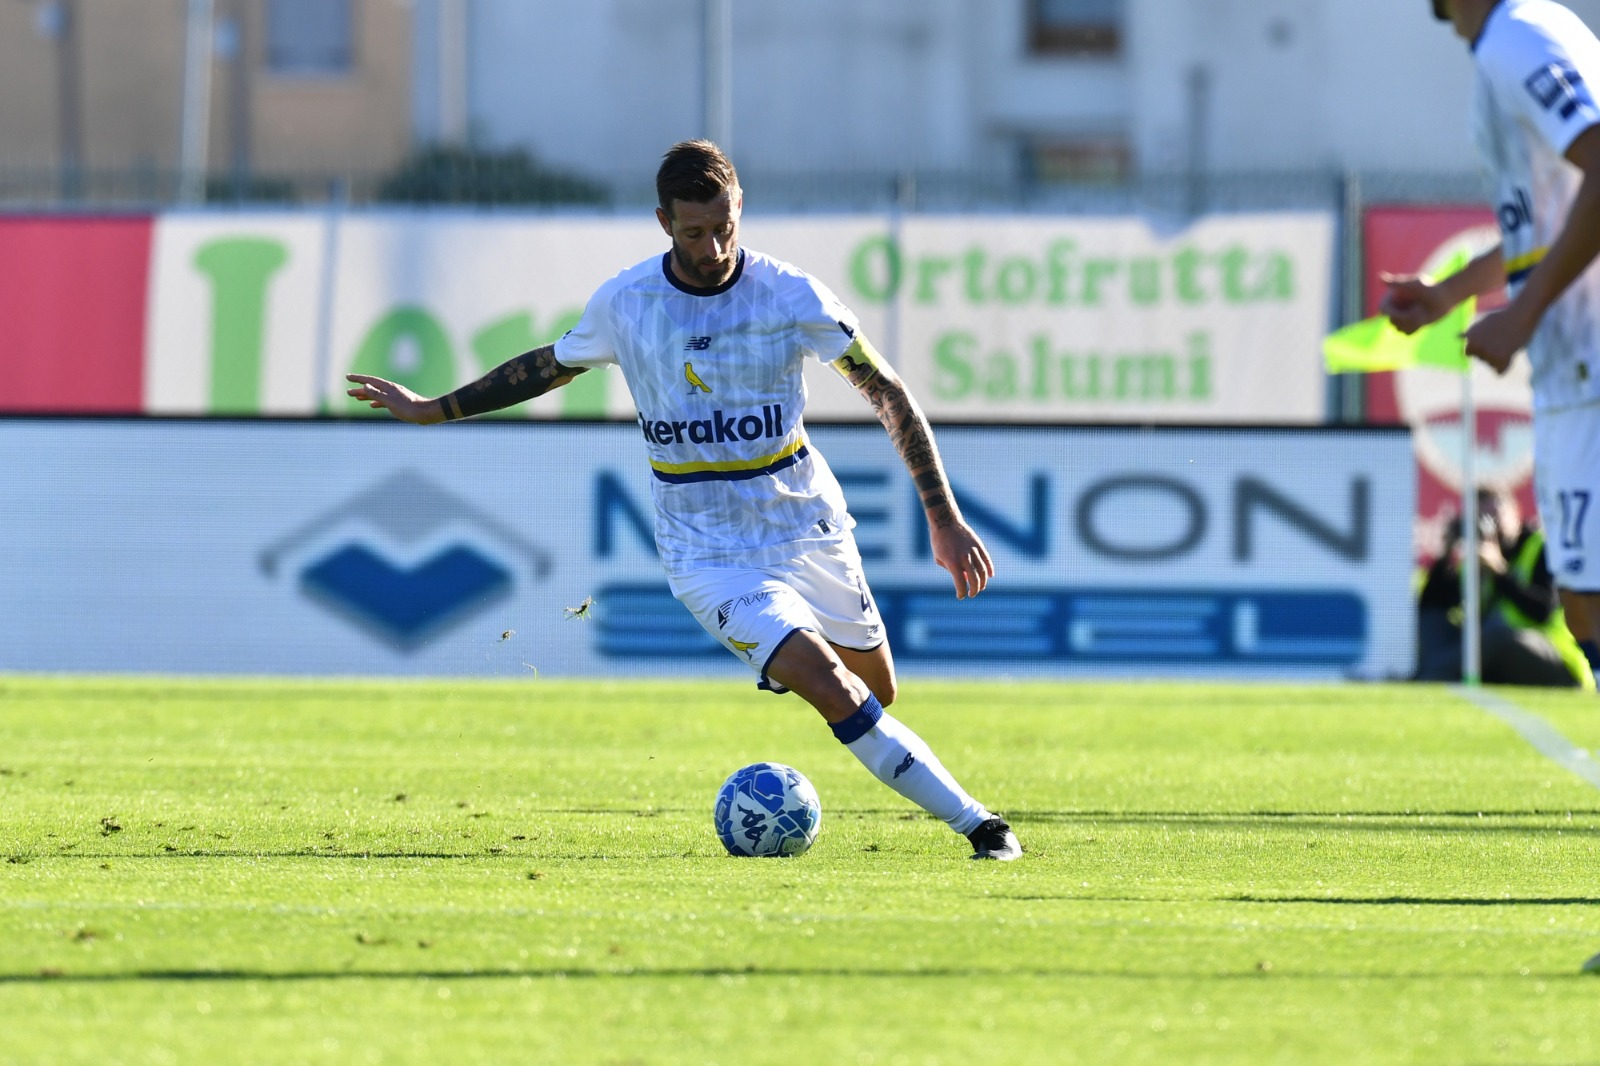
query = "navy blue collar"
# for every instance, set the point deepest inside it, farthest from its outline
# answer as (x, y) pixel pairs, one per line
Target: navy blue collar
(695, 290)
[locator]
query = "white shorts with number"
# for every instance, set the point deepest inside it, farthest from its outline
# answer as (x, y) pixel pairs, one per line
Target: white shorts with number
(1566, 479)
(752, 611)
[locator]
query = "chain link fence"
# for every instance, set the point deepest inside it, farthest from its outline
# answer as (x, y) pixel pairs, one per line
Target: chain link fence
(515, 180)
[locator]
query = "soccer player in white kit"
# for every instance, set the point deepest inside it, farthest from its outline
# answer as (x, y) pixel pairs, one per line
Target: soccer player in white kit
(1538, 129)
(751, 524)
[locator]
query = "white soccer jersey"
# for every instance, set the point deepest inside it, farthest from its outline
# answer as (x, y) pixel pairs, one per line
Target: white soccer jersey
(1537, 66)
(716, 377)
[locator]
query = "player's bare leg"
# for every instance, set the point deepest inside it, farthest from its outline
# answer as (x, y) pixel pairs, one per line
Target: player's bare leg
(875, 667)
(1582, 611)
(808, 666)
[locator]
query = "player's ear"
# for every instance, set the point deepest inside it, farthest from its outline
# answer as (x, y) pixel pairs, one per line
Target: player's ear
(665, 220)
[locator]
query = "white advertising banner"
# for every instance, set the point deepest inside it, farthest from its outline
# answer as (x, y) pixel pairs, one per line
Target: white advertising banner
(232, 314)
(1068, 319)
(524, 550)
(988, 318)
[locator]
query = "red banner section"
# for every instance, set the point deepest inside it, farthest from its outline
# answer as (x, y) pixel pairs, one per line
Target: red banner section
(72, 314)
(1412, 240)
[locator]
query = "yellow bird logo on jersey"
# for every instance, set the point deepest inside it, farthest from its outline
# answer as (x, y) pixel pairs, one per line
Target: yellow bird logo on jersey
(747, 648)
(694, 379)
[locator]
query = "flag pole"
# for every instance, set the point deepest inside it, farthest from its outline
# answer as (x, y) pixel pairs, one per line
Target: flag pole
(1375, 344)
(1471, 632)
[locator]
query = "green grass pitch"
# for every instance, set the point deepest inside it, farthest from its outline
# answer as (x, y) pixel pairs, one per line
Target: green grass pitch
(429, 872)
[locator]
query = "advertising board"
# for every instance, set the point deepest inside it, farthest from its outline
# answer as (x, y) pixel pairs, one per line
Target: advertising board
(72, 313)
(1007, 318)
(351, 547)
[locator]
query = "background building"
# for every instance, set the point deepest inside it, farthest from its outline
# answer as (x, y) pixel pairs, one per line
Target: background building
(1043, 90)
(832, 101)
(93, 95)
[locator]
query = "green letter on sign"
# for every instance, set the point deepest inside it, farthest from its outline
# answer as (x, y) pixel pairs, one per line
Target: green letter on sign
(239, 269)
(953, 354)
(407, 346)
(875, 269)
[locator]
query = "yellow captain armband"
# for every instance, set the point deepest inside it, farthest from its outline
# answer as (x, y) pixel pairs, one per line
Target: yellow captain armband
(860, 362)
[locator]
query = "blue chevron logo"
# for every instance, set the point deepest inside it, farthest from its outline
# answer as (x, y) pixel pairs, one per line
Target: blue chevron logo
(458, 561)
(406, 604)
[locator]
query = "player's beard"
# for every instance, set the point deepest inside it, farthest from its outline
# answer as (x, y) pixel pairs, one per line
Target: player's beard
(709, 275)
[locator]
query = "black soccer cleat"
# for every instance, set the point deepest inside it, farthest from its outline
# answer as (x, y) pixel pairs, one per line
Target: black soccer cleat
(995, 840)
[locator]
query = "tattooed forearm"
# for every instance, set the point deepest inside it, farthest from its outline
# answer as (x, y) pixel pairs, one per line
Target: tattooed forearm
(521, 378)
(875, 379)
(912, 437)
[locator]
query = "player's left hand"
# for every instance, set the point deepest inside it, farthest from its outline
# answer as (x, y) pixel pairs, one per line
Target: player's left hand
(1497, 337)
(959, 550)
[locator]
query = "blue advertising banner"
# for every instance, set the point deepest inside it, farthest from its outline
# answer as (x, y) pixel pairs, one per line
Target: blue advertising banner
(524, 549)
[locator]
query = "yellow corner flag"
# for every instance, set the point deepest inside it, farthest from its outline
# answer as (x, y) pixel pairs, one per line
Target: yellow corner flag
(1374, 344)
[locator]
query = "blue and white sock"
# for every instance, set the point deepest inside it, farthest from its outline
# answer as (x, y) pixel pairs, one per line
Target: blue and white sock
(900, 759)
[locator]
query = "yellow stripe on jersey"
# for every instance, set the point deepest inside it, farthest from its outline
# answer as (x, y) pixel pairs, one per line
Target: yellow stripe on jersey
(1517, 269)
(731, 465)
(861, 355)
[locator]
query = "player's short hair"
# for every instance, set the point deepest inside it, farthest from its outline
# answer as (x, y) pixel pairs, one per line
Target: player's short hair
(694, 171)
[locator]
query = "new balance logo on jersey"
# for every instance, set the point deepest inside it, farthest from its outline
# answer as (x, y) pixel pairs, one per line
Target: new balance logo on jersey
(720, 428)
(1559, 88)
(695, 384)
(697, 344)
(905, 764)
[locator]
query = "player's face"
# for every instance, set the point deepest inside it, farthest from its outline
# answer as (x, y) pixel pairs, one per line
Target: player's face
(705, 238)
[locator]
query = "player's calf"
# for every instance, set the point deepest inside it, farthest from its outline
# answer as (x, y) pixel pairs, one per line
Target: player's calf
(902, 760)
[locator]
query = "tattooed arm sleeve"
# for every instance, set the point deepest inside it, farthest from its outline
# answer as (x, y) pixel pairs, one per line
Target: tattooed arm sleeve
(521, 378)
(908, 428)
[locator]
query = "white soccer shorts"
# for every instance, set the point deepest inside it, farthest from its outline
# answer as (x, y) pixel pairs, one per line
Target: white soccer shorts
(1566, 480)
(752, 610)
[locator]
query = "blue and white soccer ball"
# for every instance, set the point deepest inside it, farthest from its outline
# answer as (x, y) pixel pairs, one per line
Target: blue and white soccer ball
(767, 808)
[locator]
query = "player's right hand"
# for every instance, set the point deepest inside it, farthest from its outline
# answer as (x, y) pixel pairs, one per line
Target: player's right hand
(1412, 302)
(396, 399)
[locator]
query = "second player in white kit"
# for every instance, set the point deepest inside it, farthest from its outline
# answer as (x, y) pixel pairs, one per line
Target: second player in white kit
(1537, 127)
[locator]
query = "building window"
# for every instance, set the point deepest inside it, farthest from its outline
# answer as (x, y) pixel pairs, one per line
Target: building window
(1079, 160)
(310, 37)
(1075, 27)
